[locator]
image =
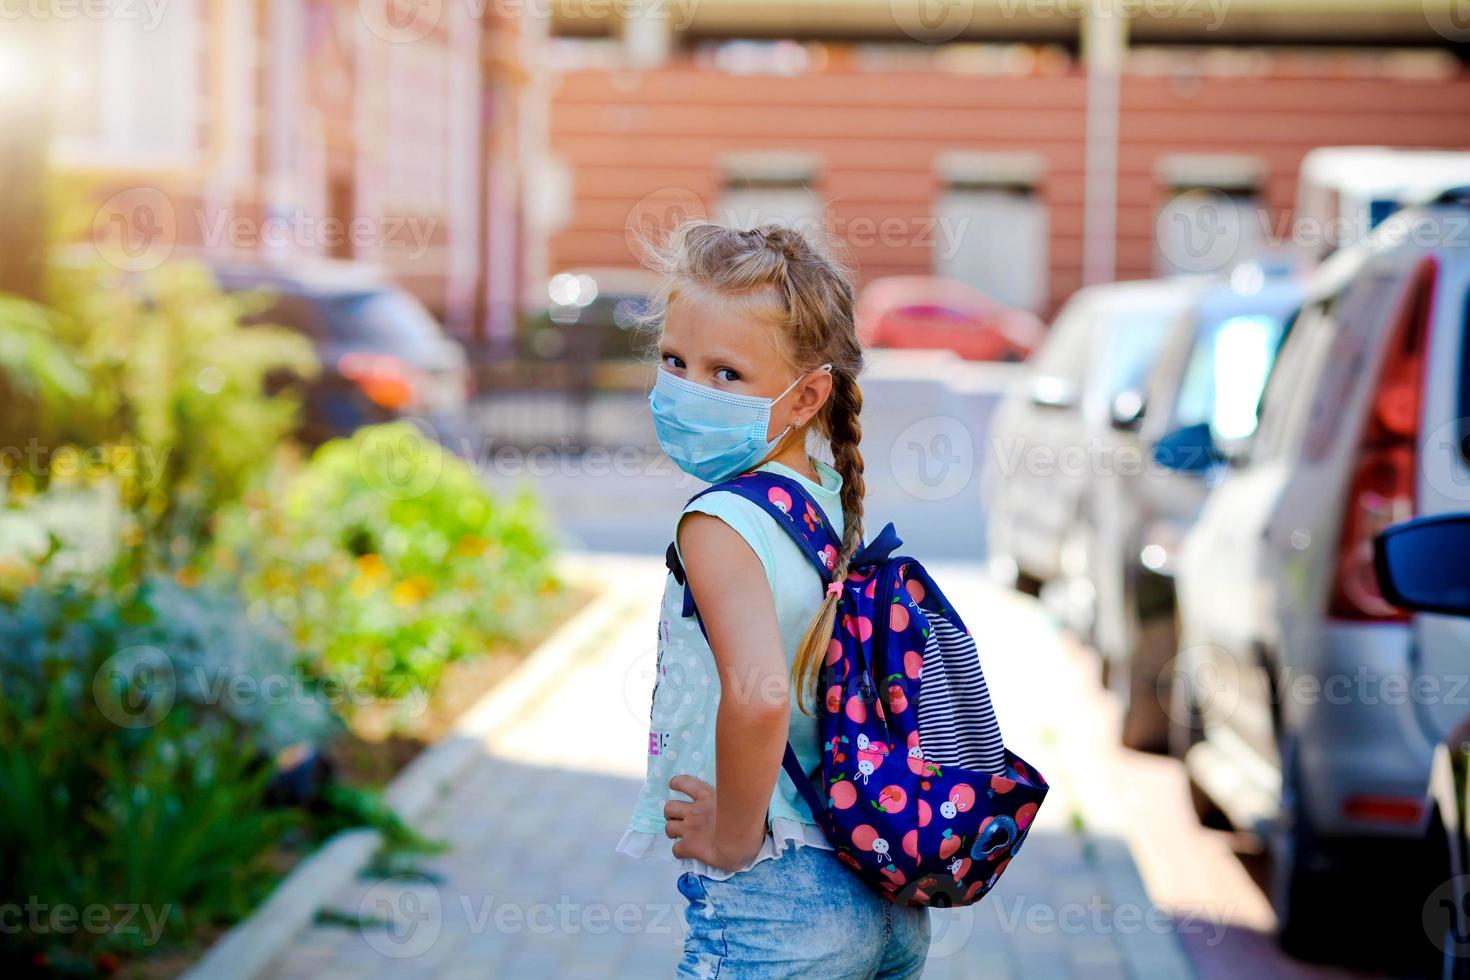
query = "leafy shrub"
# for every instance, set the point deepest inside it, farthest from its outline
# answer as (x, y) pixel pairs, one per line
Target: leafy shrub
(152, 383)
(388, 558)
(38, 376)
(201, 655)
(66, 533)
(129, 786)
(161, 827)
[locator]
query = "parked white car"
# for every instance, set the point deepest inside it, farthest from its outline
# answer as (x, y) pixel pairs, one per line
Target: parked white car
(1198, 407)
(1052, 434)
(1294, 705)
(1343, 192)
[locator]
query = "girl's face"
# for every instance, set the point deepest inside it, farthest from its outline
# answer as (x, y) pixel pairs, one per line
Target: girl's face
(729, 346)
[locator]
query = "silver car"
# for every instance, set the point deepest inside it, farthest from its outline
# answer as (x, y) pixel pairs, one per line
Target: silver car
(1307, 707)
(1174, 437)
(1052, 437)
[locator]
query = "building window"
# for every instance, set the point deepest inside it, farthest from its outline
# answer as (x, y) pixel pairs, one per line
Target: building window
(991, 226)
(1212, 217)
(153, 118)
(765, 187)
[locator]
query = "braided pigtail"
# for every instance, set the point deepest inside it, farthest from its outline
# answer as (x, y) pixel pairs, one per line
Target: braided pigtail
(845, 431)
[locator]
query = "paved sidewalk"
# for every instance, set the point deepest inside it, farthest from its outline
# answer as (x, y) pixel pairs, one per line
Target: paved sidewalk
(531, 886)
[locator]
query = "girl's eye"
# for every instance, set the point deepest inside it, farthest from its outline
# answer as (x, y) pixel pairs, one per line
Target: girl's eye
(674, 361)
(727, 375)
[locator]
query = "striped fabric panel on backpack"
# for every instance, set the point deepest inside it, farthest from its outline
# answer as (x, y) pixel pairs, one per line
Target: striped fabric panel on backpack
(957, 725)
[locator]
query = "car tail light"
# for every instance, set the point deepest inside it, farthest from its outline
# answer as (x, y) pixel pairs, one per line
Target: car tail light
(386, 381)
(1383, 479)
(1382, 493)
(1404, 810)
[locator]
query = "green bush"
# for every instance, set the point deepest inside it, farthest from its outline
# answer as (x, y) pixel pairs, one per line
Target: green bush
(149, 382)
(388, 558)
(39, 378)
(133, 763)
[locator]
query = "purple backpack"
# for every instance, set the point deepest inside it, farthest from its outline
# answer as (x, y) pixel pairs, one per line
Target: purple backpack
(916, 791)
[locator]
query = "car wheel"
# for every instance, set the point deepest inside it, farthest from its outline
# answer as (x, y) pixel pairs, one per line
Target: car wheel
(1028, 584)
(1351, 900)
(1141, 683)
(1308, 880)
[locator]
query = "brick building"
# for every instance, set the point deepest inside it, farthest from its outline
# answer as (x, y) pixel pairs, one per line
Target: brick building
(1033, 150)
(383, 131)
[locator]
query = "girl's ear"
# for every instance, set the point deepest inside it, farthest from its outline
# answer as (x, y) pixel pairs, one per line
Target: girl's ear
(811, 396)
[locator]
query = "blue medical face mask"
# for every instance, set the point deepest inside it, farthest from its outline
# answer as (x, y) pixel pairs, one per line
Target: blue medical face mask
(710, 434)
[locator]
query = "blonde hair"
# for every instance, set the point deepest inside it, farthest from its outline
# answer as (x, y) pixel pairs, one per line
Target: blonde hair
(807, 292)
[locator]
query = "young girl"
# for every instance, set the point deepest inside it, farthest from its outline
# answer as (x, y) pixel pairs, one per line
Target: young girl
(758, 351)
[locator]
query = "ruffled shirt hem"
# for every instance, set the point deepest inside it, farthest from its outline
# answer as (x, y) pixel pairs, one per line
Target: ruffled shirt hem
(784, 830)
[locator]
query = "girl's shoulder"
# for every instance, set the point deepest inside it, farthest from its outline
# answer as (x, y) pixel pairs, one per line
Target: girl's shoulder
(744, 517)
(778, 554)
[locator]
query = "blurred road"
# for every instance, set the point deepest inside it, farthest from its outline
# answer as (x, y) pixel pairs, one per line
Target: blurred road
(1187, 866)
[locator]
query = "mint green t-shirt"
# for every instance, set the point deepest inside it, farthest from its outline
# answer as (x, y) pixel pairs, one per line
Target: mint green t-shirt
(681, 737)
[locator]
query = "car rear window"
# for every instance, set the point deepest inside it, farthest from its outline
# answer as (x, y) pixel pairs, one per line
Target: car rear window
(1359, 315)
(380, 319)
(291, 310)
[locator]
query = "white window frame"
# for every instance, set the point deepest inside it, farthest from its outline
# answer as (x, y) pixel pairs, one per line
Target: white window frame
(1237, 178)
(776, 175)
(972, 177)
(118, 144)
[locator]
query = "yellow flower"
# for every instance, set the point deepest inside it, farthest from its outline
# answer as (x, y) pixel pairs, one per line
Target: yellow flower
(372, 566)
(471, 545)
(278, 578)
(188, 576)
(17, 574)
(412, 590)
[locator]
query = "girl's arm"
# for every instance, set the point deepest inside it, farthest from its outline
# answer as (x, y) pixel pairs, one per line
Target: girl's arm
(725, 830)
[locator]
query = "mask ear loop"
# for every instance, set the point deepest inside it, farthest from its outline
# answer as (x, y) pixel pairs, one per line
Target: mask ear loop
(826, 369)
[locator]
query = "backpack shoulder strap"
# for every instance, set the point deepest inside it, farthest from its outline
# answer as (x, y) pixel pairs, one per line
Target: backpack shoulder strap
(789, 505)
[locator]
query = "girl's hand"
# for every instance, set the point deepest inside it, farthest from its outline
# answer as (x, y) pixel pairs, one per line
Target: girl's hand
(692, 826)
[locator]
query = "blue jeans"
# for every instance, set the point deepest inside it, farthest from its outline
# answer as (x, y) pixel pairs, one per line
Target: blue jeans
(802, 914)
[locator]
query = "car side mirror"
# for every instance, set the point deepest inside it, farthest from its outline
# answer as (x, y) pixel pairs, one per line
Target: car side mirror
(1424, 564)
(1127, 411)
(1190, 450)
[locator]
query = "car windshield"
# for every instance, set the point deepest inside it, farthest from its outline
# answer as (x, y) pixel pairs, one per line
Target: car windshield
(1132, 340)
(1227, 369)
(382, 319)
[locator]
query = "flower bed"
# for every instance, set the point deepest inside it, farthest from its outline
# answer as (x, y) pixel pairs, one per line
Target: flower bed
(213, 648)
